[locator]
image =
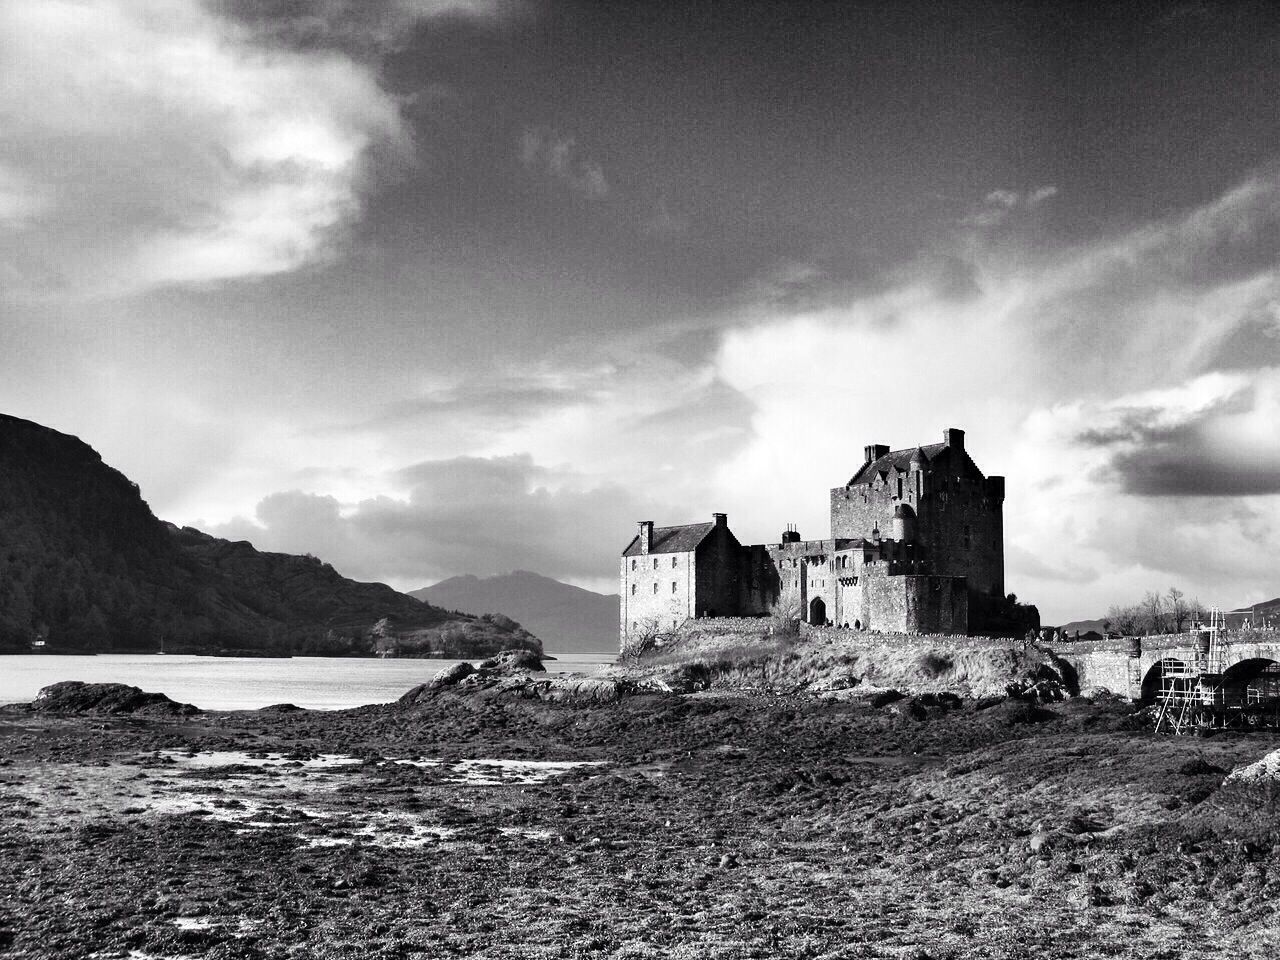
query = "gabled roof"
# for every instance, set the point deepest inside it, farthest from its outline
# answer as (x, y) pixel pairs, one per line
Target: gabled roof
(672, 539)
(897, 459)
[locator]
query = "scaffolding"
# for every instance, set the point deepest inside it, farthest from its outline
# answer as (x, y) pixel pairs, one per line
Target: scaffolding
(1198, 693)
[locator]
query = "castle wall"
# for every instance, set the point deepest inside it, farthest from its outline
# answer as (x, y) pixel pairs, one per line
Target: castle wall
(760, 581)
(912, 603)
(718, 578)
(959, 517)
(960, 525)
(658, 595)
(860, 510)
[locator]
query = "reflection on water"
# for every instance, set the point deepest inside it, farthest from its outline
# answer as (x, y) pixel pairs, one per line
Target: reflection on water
(237, 683)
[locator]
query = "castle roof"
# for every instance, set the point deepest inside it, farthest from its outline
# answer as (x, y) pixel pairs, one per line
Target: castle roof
(897, 459)
(672, 539)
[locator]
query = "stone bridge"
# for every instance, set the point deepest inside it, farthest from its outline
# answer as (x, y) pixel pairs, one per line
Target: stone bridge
(1132, 666)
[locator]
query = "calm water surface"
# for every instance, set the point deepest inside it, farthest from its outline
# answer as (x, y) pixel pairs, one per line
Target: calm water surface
(234, 683)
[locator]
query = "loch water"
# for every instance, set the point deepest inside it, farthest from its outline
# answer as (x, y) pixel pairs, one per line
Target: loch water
(247, 683)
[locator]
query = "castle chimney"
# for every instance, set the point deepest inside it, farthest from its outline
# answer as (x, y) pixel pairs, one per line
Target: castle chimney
(646, 535)
(791, 534)
(954, 438)
(874, 451)
(721, 519)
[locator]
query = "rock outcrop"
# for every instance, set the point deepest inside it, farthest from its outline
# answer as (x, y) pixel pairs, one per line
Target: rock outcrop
(520, 673)
(75, 696)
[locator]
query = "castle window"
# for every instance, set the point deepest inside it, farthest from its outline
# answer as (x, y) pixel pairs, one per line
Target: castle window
(673, 586)
(633, 589)
(899, 487)
(633, 563)
(655, 588)
(673, 563)
(655, 563)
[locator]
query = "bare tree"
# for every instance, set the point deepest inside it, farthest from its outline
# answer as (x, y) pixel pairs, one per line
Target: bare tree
(787, 608)
(1154, 612)
(645, 636)
(1127, 620)
(1179, 609)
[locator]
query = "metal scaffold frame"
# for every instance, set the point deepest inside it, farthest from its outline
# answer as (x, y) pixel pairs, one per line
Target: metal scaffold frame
(1195, 694)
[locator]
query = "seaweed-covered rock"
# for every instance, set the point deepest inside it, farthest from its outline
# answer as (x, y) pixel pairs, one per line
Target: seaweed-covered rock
(886, 697)
(585, 690)
(447, 678)
(510, 664)
(75, 696)
(511, 661)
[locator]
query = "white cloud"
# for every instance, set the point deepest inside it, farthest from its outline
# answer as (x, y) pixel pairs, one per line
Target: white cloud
(479, 515)
(1000, 203)
(157, 143)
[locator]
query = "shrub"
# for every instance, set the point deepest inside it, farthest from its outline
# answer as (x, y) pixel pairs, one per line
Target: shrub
(935, 664)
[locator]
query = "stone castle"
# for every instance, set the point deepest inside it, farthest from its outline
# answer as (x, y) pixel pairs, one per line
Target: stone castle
(916, 546)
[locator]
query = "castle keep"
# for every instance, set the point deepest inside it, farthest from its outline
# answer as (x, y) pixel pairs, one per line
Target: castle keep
(916, 546)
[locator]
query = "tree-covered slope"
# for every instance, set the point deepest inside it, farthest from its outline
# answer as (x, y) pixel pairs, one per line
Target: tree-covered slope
(85, 565)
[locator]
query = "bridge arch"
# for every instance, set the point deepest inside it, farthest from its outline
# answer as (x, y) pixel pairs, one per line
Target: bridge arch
(1154, 677)
(1253, 680)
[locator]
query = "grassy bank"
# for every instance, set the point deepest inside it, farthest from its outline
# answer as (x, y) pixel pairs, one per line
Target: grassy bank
(757, 655)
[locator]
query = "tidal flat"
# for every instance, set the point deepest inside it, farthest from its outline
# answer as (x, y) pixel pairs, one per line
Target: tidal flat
(713, 826)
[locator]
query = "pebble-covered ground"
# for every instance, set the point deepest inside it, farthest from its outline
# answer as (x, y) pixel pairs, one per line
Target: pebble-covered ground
(659, 826)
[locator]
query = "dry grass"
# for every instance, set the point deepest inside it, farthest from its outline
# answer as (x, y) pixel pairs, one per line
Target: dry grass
(758, 660)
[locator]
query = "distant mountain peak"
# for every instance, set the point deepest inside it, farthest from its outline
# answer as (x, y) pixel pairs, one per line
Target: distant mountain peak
(565, 617)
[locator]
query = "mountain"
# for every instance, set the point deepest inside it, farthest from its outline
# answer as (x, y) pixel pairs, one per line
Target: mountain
(85, 566)
(565, 617)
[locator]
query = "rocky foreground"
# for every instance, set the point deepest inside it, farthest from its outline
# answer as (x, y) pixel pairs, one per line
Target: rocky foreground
(481, 818)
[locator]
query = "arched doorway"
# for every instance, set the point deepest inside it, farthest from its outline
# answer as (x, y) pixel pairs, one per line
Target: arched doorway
(817, 611)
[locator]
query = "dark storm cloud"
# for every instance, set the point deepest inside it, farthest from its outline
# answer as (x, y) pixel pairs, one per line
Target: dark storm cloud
(1198, 471)
(479, 515)
(1187, 455)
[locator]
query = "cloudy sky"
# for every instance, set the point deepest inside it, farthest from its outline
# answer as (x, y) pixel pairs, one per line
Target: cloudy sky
(429, 287)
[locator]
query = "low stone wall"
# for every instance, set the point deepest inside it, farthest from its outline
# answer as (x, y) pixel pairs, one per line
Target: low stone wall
(721, 626)
(932, 641)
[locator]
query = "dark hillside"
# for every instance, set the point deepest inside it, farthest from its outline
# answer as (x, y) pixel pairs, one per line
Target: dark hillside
(85, 566)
